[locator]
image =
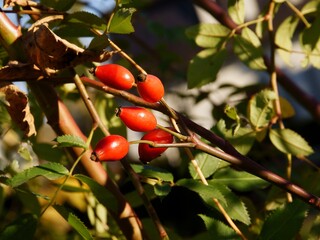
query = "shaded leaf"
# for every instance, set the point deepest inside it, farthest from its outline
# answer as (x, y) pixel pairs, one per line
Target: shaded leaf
(17, 105)
(277, 225)
(310, 7)
(100, 192)
(238, 180)
(22, 228)
(98, 43)
(48, 170)
(208, 35)
(236, 10)
(206, 192)
(153, 172)
(74, 221)
(204, 67)
(70, 141)
(121, 21)
(217, 229)
(87, 18)
(208, 165)
(288, 141)
(162, 189)
(59, 5)
(235, 208)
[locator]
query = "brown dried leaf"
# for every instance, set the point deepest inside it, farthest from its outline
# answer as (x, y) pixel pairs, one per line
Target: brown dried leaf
(18, 108)
(50, 52)
(20, 72)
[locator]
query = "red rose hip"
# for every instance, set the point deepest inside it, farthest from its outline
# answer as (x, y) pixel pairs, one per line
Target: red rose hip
(150, 88)
(137, 118)
(147, 152)
(110, 148)
(115, 76)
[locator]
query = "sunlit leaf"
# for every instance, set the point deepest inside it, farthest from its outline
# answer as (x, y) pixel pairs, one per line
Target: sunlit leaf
(281, 220)
(208, 35)
(283, 38)
(310, 7)
(204, 67)
(238, 180)
(48, 170)
(70, 141)
(287, 109)
(248, 49)
(208, 165)
(236, 10)
(121, 21)
(242, 139)
(261, 109)
(288, 141)
(310, 42)
(24, 227)
(74, 221)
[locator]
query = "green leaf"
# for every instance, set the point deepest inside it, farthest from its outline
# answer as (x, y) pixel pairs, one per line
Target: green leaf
(29, 200)
(287, 109)
(100, 192)
(310, 7)
(242, 139)
(206, 192)
(208, 35)
(288, 141)
(283, 38)
(236, 10)
(233, 206)
(204, 67)
(238, 180)
(50, 171)
(149, 171)
(249, 50)
(24, 227)
(208, 165)
(121, 21)
(162, 189)
(99, 43)
(215, 228)
(106, 106)
(310, 42)
(70, 141)
(59, 5)
(87, 19)
(277, 225)
(74, 221)
(261, 109)
(231, 112)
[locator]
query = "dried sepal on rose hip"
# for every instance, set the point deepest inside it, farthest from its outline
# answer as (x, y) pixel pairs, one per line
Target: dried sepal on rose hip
(137, 118)
(150, 88)
(146, 152)
(110, 148)
(115, 76)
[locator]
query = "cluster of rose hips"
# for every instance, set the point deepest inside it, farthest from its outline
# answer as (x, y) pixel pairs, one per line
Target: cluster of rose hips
(150, 88)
